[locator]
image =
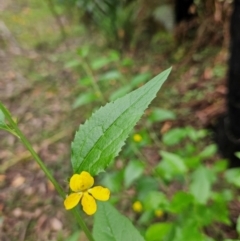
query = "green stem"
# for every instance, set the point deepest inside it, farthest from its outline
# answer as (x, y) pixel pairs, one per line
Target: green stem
(58, 20)
(44, 168)
(153, 134)
(89, 72)
(82, 224)
(31, 150)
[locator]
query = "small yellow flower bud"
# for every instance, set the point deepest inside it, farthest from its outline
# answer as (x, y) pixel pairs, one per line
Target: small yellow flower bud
(137, 138)
(137, 207)
(159, 213)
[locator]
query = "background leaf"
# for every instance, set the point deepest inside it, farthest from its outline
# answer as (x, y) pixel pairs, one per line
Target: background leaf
(74, 237)
(120, 92)
(101, 62)
(100, 139)
(159, 115)
(238, 225)
(154, 200)
(84, 99)
(113, 181)
(170, 166)
(158, 231)
(110, 225)
(140, 79)
(3, 124)
(133, 170)
(2, 117)
(233, 176)
(180, 201)
(201, 185)
(208, 151)
(174, 136)
(110, 75)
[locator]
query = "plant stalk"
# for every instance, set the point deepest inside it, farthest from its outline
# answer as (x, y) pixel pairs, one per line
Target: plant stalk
(44, 168)
(95, 86)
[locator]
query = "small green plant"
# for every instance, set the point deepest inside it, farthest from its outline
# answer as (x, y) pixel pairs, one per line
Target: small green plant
(103, 77)
(113, 18)
(182, 197)
(94, 147)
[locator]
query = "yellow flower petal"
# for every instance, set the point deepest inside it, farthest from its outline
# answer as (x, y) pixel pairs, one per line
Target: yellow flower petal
(72, 200)
(137, 138)
(89, 204)
(137, 207)
(81, 182)
(100, 193)
(159, 213)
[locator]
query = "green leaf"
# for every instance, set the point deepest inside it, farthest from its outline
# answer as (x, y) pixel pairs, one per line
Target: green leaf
(74, 237)
(2, 117)
(140, 79)
(158, 231)
(110, 225)
(171, 165)
(192, 161)
(226, 195)
(219, 71)
(113, 181)
(85, 81)
(220, 166)
(100, 63)
(3, 125)
(146, 218)
(216, 211)
(159, 115)
(194, 134)
(114, 55)
(174, 136)
(127, 62)
(83, 51)
(209, 151)
(188, 229)
(134, 83)
(101, 138)
(220, 212)
(201, 185)
(237, 154)
(145, 185)
(84, 99)
(133, 171)
(233, 176)
(176, 162)
(72, 64)
(110, 75)
(154, 200)
(120, 92)
(180, 202)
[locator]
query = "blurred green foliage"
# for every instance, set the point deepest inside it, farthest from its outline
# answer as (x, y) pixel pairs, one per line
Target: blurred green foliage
(183, 196)
(114, 18)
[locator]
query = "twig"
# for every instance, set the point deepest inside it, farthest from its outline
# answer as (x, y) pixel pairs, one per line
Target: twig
(7, 36)
(58, 20)
(27, 155)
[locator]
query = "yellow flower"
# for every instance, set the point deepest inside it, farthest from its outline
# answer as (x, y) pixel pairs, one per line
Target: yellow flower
(137, 207)
(137, 138)
(159, 213)
(81, 185)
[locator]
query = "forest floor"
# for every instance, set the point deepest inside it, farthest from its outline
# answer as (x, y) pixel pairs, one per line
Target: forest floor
(39, 89)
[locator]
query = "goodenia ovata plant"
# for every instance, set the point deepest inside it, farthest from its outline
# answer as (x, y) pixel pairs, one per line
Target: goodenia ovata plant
(95, 145)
